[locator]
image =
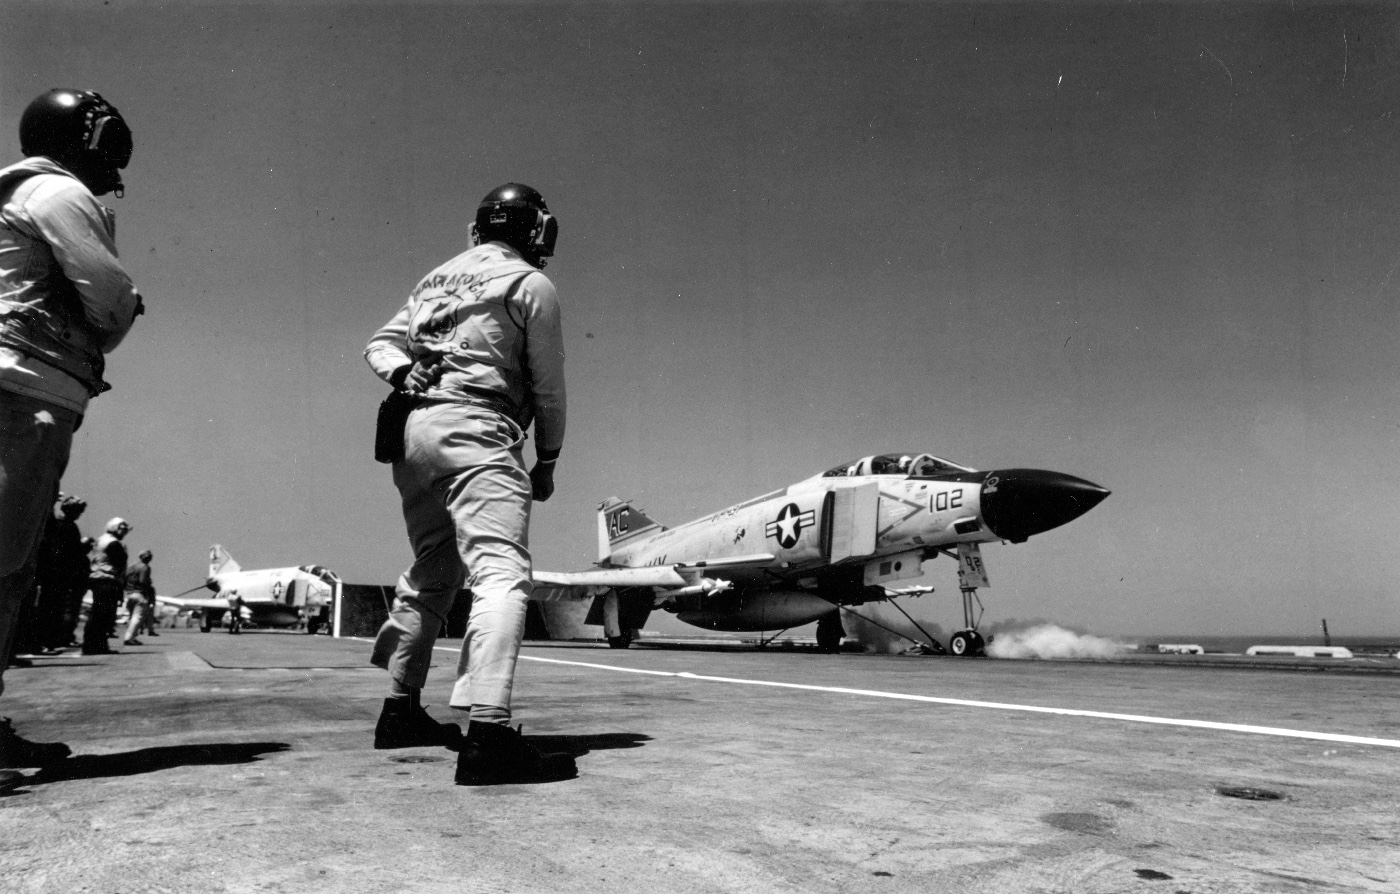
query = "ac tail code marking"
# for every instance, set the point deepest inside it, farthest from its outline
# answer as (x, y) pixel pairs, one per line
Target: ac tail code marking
(617, 523)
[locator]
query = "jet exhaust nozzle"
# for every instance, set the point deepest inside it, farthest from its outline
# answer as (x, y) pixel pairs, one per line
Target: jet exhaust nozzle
(1020, 503)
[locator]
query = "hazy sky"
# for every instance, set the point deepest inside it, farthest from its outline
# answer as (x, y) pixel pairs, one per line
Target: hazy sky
(1154, 246)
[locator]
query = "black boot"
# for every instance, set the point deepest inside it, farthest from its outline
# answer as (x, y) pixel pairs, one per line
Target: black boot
(493, 754)
(18, 752)
(405, 724)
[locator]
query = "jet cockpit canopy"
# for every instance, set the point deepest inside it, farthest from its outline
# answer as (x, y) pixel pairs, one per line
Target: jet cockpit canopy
(908, 465)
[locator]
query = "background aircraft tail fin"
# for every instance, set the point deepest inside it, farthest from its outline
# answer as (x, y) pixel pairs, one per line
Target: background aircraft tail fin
(220, 562)
(619, 522)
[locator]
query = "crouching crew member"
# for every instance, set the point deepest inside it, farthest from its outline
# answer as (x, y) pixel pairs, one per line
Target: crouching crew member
(479, 350)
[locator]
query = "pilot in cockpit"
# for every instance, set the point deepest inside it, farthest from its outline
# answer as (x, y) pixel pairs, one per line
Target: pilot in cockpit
(924, 465)
(885, 465)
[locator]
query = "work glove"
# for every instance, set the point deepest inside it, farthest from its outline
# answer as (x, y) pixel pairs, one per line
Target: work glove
(542, 481)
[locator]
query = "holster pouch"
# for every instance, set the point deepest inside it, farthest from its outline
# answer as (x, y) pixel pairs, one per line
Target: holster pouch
(389, 426)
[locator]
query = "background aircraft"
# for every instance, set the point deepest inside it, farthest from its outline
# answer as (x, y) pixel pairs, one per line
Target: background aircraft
(272, 597)
(808, 551)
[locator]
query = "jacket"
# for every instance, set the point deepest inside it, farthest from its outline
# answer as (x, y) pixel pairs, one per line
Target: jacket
(138, 580)
(495, 321)
(65, 299)
(63, 561)
(108, 559)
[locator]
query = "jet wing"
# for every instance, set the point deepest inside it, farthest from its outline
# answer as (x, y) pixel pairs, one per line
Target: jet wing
(652, 576)
(756, 560)
(192, 603)
(893, 592)
(553, 586)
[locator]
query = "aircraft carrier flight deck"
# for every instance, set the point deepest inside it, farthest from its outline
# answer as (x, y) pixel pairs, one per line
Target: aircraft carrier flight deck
(218, 763)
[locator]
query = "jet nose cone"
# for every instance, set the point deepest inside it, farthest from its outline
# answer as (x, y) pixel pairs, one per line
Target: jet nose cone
(1019, 503)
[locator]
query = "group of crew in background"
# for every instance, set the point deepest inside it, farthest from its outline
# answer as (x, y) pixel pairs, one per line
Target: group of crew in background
(69, 566)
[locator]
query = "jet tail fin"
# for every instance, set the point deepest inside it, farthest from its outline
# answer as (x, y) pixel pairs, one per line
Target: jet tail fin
(220, 562)
(620, 522)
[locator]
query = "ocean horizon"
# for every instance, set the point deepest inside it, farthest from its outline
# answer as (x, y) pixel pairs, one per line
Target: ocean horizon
(1238, 643)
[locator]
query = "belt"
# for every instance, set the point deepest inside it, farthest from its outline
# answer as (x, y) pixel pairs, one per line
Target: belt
(486, 402)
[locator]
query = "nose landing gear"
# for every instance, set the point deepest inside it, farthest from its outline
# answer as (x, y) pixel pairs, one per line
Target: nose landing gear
(969, 643)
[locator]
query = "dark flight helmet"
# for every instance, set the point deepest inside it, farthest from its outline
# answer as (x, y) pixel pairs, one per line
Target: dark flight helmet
(81, 131)
(518, 216)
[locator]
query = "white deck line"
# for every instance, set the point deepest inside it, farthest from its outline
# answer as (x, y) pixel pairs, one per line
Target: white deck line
(1000, 706)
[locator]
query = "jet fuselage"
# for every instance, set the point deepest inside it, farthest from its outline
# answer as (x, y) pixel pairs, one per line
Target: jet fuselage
(836, 538)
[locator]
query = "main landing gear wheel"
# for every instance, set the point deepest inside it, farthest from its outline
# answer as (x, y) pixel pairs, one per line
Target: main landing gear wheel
(204, 623)
(829, 632)
(967, 644)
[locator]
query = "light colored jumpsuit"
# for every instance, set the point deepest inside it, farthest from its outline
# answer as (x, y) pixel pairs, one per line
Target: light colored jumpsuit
(140, 598)
(65, 301)
(494, 320)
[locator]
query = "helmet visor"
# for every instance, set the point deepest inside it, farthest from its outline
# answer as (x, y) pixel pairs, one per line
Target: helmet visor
(111, 138)
(548, 234)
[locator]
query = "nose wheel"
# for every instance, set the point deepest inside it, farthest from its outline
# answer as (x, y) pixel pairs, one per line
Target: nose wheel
(967, 644)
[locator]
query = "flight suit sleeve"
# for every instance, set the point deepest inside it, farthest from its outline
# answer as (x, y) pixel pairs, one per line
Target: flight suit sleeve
(78, 230)
(544, 348)
(387, 352)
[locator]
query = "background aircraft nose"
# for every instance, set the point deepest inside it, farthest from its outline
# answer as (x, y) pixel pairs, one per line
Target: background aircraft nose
(1018, 503)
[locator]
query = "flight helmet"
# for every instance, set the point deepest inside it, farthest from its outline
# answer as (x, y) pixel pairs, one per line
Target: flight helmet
(81, 131)
(517, 215)
(118, 527)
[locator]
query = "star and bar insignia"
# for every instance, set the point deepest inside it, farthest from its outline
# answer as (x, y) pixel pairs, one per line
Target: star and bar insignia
(789, 524)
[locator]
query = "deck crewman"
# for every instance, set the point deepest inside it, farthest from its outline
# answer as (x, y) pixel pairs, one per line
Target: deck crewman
(477, 355)
(65, 302)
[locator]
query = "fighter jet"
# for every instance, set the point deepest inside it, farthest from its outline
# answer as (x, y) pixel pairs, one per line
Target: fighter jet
(826, 544)
(269, 597)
